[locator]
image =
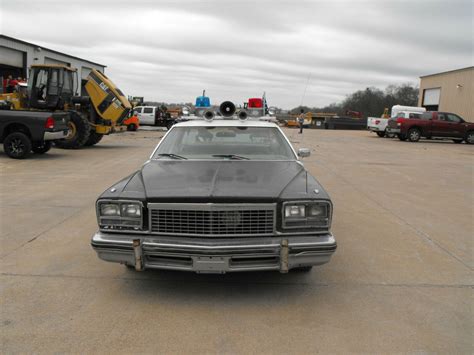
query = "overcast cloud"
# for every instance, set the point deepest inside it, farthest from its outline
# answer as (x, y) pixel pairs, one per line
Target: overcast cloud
(171, 50)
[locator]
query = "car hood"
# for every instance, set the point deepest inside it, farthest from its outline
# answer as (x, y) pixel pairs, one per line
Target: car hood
(223, 179)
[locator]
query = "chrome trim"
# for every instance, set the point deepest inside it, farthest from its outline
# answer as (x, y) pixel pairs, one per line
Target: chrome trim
(212, 207)
(50, 136)
(215, 256)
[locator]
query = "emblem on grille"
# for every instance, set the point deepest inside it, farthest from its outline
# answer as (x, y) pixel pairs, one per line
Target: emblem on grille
(231, 218)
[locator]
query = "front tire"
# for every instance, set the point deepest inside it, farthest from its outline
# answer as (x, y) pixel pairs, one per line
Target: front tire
(17, 145)
(414, 135)
(43, 147)
(79, 132)
(381, 134)
(94, 138)
(132, 127)
(470, 137)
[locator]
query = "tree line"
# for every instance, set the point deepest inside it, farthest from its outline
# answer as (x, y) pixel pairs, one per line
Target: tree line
(371, 102)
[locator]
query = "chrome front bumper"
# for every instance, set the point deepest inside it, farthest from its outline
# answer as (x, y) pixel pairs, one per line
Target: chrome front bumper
(393, 130)
(214, 255)
(51, 136)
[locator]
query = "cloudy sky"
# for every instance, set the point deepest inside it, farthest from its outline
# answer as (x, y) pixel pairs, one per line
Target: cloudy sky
(171, 50)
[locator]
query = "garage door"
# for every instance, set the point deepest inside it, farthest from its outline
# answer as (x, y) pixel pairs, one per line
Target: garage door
(11, 57)
(431, 97)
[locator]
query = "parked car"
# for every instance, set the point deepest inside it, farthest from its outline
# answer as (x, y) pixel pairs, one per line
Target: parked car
(379, 125)
(433, 124)
(24, 131)
(155, 116)
(217, 196)
(393, 124)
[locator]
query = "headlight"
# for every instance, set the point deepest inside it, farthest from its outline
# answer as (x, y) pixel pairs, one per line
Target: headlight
(307, 214)
(131, 210)
(295, 211)
(119, 215)
(109, 209)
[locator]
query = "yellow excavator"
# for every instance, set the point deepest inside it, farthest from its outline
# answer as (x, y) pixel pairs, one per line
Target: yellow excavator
(51, 88)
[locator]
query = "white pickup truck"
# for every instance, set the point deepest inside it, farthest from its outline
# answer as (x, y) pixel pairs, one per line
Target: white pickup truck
(379, 125)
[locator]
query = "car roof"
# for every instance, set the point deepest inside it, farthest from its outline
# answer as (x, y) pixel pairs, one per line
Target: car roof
(225, 123)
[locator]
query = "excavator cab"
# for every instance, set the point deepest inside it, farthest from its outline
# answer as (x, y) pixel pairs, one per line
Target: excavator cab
(50, 86)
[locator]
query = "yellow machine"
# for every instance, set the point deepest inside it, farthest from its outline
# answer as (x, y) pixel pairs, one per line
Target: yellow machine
(51, 88)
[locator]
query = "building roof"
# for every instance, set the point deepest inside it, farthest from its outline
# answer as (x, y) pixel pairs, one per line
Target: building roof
(51, 50)
(449, 71)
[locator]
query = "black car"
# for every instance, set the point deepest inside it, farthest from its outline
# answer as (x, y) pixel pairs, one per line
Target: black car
(218, 196)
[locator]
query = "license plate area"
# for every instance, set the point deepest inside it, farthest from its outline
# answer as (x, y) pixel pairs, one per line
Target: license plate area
(211, 264)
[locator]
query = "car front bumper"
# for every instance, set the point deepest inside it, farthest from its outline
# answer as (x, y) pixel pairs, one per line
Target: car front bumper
(393, 130)
(51, 136)
(214, 255)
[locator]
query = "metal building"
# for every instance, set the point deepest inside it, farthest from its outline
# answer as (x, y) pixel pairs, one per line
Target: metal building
(16, 56)
(451, 91)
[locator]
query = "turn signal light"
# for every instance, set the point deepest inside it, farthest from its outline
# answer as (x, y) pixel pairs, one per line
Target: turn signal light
(49, 123)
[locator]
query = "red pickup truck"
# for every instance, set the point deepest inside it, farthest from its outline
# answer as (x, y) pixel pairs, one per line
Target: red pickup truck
(433, 124)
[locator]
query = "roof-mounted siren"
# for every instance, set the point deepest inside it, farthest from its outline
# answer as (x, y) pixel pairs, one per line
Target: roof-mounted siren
(255, 107)
(243, 115)
(203, 103)
(227, 109)
(209, 115)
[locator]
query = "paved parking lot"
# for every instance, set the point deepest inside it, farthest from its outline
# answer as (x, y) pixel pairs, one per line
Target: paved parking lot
(400, 281)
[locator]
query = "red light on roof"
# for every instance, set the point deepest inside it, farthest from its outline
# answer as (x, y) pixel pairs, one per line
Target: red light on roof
(255, 103)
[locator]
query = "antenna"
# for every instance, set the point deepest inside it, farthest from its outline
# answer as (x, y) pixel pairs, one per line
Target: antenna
(305, 88)
(204, 92)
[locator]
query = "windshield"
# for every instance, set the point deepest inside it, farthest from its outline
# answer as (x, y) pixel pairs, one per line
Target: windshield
(254, 143)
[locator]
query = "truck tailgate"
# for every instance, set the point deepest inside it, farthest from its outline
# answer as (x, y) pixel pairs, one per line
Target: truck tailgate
(61, 120)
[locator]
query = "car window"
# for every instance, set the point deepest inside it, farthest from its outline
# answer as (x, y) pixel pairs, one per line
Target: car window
(415, 115)
(426, 116)
(256, 143)
(137, 110)
(148, 110)
(442, 117)
(453, 118)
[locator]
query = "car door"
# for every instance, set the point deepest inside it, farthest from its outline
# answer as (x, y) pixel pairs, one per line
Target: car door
(440, 127)
(456, 125)
(138, 112)
(148, 115)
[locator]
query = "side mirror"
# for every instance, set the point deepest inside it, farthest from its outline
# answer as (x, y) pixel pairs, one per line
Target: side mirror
(304, 152)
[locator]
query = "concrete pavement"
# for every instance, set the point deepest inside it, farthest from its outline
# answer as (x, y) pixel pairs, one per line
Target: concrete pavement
(400, 281)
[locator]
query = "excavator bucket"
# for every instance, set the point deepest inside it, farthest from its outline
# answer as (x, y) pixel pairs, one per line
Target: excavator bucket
(109, 102)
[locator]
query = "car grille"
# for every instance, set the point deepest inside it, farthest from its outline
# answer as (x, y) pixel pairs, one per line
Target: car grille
(212, 219)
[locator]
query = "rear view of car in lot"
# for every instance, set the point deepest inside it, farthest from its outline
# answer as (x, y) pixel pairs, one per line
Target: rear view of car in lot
(394, 123)
(23, 131)
(218, 196)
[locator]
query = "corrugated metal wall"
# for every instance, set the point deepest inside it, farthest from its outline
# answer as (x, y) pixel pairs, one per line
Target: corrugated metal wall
(457, 91)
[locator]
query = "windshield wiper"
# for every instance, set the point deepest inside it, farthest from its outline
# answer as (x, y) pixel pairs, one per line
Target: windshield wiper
(171, 155)
(230, 156)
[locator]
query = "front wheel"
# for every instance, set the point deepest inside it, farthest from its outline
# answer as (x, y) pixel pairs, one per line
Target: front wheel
(41, 148)
(470, 137)
(17, 145)
(132, 127)
(94, 138)
(414, 135)
(79, 132)
(381, 134)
